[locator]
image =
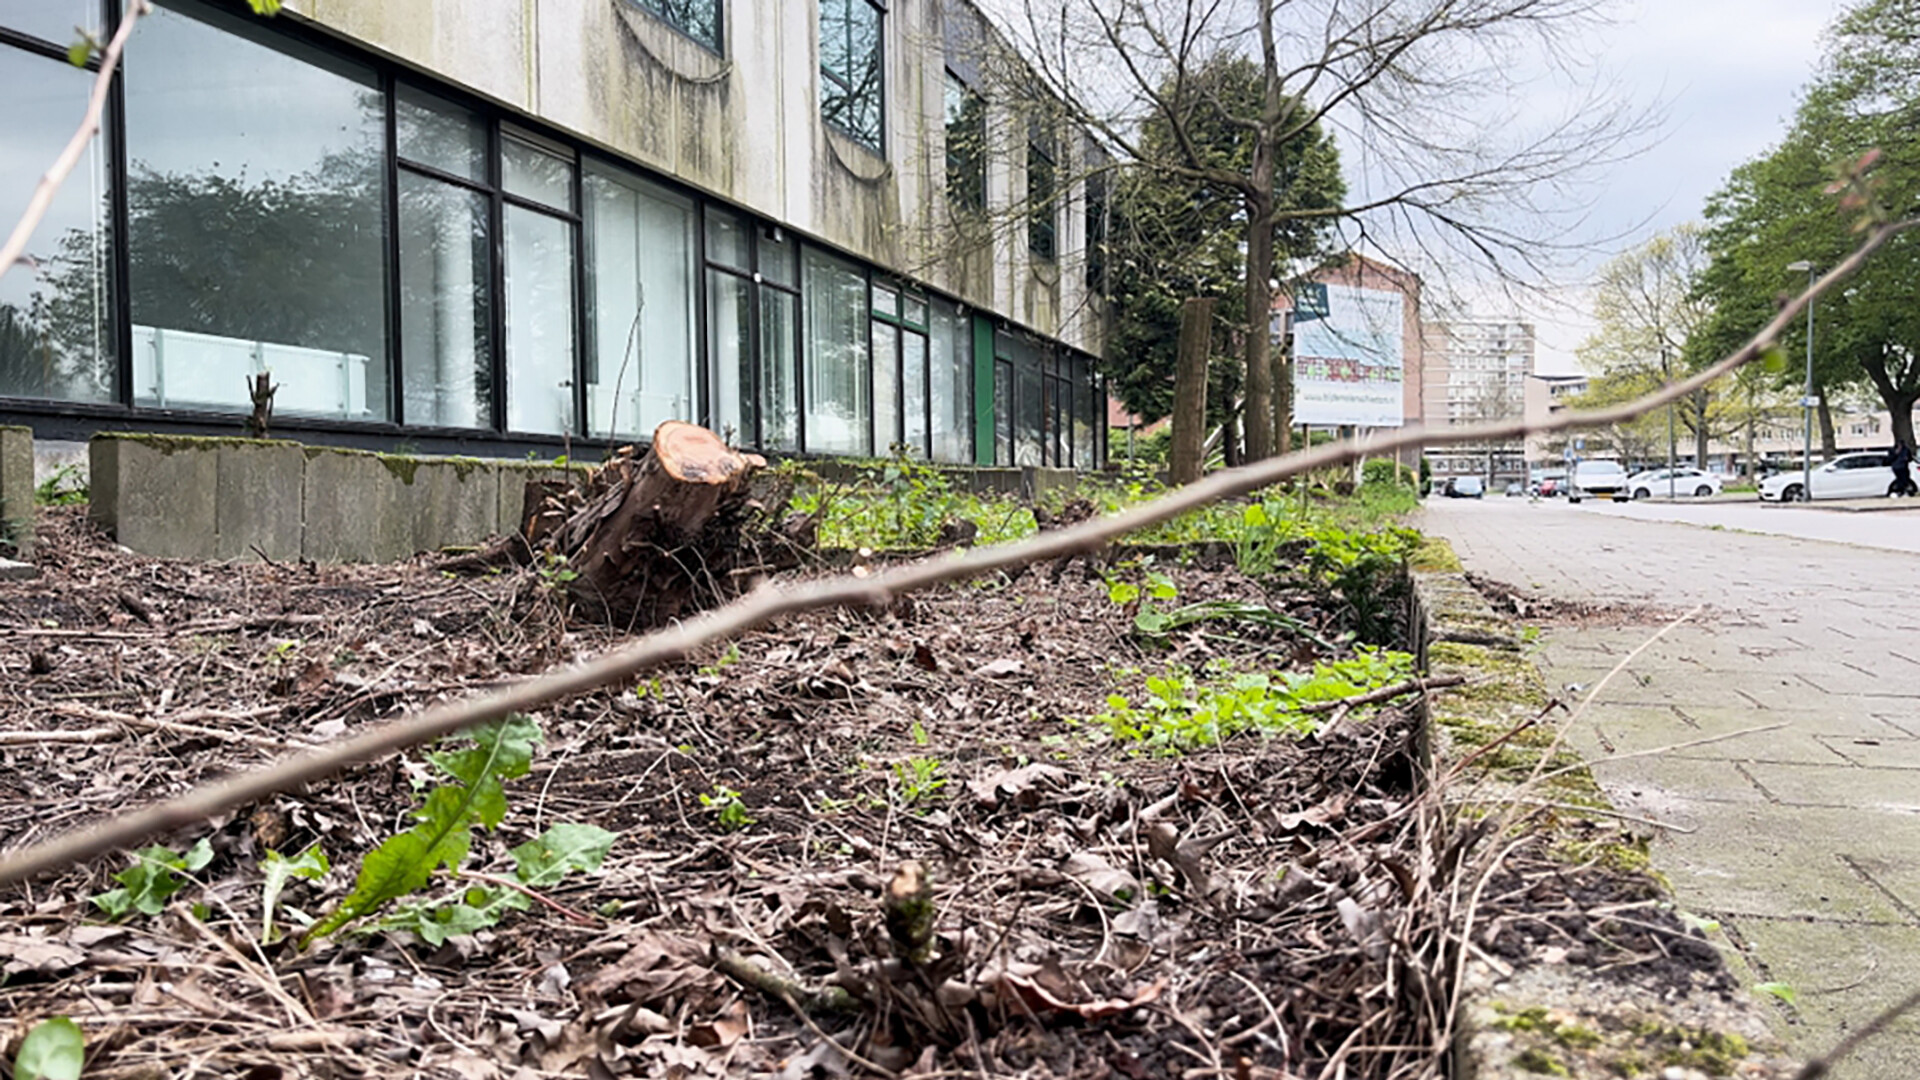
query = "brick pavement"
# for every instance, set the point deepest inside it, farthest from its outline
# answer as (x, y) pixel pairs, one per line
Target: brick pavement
(1803, 841)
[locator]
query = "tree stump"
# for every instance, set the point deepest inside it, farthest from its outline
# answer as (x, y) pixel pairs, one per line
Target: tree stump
(661, 534)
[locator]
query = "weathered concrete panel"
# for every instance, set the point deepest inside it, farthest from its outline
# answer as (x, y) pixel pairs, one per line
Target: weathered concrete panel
(257, 501)
(16, 489)
(353, 508)
(156, 495)
(452, 502)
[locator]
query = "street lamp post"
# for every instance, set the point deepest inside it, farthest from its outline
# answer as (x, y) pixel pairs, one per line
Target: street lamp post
(1806, 402)
(1667, 377)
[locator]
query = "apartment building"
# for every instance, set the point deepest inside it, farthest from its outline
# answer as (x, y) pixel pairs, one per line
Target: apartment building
(1475, 372)
(491, 226)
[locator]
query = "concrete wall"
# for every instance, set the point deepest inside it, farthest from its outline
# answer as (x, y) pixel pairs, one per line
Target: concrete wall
(746, 125)
(218, 498)
(16, 490)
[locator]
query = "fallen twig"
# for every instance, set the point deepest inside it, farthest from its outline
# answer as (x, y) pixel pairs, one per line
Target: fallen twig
(803, 998)
(178, 724)
(1385, 693)
(768, 603)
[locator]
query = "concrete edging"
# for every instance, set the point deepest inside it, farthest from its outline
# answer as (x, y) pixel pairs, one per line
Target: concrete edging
(1540, 1017)
(16, 492)
(190, 497)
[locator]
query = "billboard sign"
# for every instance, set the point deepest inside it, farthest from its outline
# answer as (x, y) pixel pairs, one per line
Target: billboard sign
(1309, 301)
(1348, 364)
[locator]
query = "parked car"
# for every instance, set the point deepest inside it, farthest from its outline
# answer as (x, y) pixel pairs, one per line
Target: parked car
(1466, 487)
(1862, 475)
(1549, 482)
(1688, 481)
(1515, 487)
(1596, 478)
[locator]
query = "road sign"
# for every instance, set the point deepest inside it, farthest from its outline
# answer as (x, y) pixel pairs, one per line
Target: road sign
(1310, 302)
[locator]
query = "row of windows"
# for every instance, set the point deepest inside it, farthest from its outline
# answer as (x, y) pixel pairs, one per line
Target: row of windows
(393, 255)
(852, 58)
(853, 99)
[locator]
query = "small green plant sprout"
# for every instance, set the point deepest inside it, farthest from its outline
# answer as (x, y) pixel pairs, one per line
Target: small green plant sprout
(730, 658)
(64, 487)
(1183, 712)
(727, 809)
(554, 571)
(918, 733)
(309, 865)
(919, 778)
(443, 837)
(55, 1049)
(153, 878)
(1784, 991)
(539, 863)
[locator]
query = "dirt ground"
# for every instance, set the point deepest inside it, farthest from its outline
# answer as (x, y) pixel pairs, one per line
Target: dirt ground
(1272, 908)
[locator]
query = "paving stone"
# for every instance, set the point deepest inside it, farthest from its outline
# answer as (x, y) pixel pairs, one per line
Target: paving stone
(1805, 840)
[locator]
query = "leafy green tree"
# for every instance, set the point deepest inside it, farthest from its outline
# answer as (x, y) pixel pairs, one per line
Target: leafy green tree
(1172, 237)
(1779, 209)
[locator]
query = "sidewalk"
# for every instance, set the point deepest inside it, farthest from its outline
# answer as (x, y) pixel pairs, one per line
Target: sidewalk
(1799, 829)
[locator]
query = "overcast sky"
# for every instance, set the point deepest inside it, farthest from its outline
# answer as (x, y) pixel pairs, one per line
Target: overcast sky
(1730, 72)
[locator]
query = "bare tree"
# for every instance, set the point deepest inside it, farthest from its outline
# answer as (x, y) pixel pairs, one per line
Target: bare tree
(1420, 94)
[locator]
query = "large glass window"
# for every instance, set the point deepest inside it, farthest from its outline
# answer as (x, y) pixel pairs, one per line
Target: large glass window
(852, 64)
(779, 259)
(698, 19)
(640, 304)
(55, 328)
(950, 385)
(446, 304)
(1096, 226)
(256, 208)
(1041, 180)
(540, 322)
(540, 249)
(446, 264)
(966, 116)
(899, 371)
(839, 415)
(1026, 409)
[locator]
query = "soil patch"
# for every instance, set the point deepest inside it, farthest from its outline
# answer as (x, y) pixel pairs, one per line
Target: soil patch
(1271, 908)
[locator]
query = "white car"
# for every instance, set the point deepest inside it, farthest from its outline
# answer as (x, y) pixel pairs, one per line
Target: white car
(1597, 477)
(1687, 481)
(1863, 475)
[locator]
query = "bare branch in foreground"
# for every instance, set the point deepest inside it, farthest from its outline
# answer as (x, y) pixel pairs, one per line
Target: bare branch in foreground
(767, 604)
(56, 174)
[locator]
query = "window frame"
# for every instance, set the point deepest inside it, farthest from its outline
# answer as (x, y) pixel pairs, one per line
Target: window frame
(658, 10)
(904, 293)
(1043, 214)
(966, 166)
(878, 143)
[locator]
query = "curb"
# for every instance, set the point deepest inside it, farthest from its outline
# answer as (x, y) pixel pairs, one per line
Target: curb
(1542, 1015)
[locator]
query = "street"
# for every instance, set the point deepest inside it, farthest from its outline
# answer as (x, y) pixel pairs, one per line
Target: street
(1802, 841)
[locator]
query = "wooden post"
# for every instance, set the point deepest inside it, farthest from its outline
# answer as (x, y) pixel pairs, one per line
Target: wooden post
(1190, 389)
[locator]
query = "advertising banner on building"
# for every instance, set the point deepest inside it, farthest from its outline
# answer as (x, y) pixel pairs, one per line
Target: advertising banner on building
(1348, 364)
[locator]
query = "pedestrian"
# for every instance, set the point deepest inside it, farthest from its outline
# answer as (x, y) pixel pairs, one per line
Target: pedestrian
(1901, 461)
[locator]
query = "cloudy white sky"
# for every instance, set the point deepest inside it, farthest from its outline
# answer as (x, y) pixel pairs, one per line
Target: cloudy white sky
(1729, 72)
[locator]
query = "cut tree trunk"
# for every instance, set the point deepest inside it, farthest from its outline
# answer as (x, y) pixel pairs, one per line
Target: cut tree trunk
(655, 536)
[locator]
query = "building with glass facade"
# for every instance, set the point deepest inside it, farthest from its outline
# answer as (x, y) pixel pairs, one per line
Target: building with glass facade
(493, 226)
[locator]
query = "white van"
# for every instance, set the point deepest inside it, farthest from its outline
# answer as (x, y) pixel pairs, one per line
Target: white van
(1597, 478)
